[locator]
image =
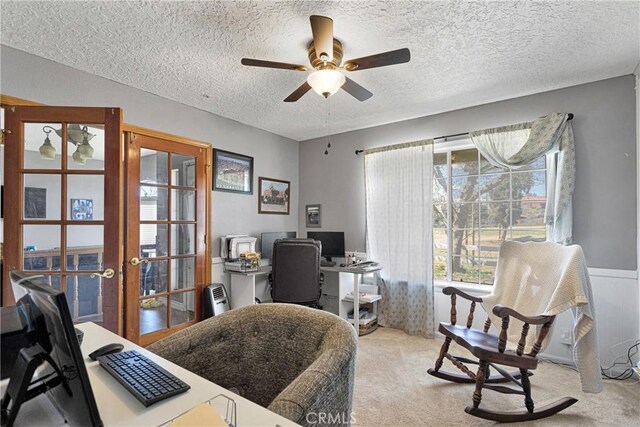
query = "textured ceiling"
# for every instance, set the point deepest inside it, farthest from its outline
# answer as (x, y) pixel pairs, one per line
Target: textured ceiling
(463, 53)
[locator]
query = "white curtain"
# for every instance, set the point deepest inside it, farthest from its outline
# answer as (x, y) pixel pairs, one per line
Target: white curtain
(398, 183)
(513, 147)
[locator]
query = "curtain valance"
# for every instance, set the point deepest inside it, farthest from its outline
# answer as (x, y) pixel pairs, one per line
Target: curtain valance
(516, 146)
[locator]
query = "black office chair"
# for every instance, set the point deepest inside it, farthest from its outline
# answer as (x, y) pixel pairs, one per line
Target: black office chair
(295, 276)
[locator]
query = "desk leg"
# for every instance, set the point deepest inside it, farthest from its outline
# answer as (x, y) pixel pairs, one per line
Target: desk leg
(356, 302)
(243, 290)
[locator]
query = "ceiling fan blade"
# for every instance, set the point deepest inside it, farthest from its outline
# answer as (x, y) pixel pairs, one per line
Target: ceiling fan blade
(297, 94)
(270, 64)
(392, 57)
(322, 29)
(355, 90)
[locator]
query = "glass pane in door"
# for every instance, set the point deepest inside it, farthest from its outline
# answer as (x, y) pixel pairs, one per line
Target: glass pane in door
(183, 206)
(84, 295)
(182, 308)
(154, 240)
(154, 167)
(41, 196)
(154, 204)
(41, 245)
(85, 146)
(183, 273)
(183, 239)
(184, 168)
(153, 315)
(153, 277)
(42, 145)
(85, 197)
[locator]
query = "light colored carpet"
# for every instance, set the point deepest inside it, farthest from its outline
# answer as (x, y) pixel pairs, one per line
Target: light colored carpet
(392, 388)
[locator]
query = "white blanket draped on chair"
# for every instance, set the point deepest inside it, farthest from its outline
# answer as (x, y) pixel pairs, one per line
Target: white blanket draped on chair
(546, 279)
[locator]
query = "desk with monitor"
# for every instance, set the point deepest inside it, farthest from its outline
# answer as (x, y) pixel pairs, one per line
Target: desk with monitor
(84, 393)
(118, 408)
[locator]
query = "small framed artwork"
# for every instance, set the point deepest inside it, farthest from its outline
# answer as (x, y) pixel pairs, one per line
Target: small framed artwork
(81, 209)
(274, 196)
(35, 202)
(313, 214)
(232, 172)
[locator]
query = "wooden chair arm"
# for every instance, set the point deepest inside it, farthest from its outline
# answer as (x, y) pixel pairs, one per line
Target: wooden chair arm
(450, 290)
(502, 312)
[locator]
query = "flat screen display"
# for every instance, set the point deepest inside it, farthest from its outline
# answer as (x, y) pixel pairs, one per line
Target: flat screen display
(267, 240)
(332, 242)
(46, 313)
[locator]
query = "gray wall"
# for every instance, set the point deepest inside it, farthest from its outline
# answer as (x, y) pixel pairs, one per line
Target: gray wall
(30, 77)
(605, 194)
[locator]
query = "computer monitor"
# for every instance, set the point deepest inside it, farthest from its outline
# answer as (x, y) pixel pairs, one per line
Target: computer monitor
(332, 243)
(45, 312)
(267, 240)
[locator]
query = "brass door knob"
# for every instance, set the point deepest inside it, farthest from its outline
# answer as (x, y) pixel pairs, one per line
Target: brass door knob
(137, 261)
(107, 274)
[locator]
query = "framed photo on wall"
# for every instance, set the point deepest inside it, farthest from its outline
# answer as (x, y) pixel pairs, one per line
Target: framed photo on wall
(313, 215)
(35, 202)
(232, 172)
(274, 197)
(81, 209)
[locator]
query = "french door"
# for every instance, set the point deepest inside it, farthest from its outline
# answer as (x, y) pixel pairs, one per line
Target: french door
(62, 216)
(166, 243)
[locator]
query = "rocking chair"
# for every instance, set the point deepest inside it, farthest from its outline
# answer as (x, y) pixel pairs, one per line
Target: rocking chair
(490, 351)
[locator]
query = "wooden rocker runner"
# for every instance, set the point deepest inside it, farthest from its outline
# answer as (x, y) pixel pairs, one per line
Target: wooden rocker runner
(491, 351)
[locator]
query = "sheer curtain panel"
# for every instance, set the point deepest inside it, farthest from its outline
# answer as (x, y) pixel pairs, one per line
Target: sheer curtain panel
(398, 186)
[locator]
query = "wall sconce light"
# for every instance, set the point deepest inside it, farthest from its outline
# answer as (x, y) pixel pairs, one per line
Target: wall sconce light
(76, 135)
(47, 151)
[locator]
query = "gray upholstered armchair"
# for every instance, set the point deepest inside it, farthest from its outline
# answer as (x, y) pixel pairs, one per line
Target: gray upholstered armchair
(294, 360)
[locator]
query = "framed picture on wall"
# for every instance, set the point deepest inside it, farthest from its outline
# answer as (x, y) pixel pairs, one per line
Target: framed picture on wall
(81, 209)
(232, 172)
(313, 215)
(35, 202)
(274, 196)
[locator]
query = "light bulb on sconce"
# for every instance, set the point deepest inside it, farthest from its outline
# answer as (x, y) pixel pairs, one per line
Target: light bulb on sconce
(78, 158)
(47, 151)
(85, 150)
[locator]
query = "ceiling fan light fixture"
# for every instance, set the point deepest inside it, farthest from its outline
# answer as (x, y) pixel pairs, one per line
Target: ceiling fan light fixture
(326, 82)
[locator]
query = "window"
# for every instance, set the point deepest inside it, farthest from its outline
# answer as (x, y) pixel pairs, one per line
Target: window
(477, 206)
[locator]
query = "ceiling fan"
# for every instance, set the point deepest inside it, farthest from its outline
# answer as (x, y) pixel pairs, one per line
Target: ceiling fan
(325, 56)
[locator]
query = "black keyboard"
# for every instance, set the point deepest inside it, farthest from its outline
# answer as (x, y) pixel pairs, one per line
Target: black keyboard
(143, 378)
(324, 263)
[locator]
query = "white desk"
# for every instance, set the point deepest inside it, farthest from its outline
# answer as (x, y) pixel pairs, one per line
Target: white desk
(343, 288)
(118, 407)
(243, 286)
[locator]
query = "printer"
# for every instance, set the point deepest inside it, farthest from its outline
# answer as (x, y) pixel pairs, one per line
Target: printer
(232, 246)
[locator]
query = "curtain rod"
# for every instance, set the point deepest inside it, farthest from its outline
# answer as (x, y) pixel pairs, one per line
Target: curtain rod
(569, 117)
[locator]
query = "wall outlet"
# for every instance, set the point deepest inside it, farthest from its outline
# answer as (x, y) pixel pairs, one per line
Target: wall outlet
(566, 336)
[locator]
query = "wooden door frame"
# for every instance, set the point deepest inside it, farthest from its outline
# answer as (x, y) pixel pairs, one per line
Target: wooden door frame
(112, 120)
(132, 295)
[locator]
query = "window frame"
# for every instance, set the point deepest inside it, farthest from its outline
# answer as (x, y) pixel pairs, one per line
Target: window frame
(447, 147)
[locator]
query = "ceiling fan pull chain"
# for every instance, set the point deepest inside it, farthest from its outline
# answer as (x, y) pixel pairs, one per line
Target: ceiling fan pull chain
(328, 126)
